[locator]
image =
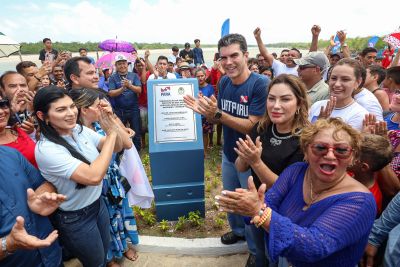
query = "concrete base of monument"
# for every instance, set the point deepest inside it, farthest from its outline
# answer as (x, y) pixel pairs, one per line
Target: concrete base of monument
(194, 247)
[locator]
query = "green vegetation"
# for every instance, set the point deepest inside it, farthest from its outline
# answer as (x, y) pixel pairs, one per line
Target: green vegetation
(355, 44)
(34, 48)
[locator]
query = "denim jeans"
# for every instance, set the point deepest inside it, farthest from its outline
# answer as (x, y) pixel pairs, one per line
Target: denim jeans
(85, 233)
(392, 252)
(133, 117)
(231, 180)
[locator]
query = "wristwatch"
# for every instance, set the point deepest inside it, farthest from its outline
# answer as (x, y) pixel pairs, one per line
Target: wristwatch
(218, 114)
(4, 246)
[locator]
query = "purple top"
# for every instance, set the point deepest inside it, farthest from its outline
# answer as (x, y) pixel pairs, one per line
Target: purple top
(331, 232)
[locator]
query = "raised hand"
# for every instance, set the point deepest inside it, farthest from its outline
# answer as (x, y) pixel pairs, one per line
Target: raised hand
(342, 36)
(45, 203)
(20, 239)
(369, 123)
(315, 30)
(257, 33)
(326, 111)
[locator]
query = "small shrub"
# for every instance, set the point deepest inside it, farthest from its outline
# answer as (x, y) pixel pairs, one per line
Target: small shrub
(218, 222)
(195, 219)
(164, 225)
(180, 224)
(149, 218)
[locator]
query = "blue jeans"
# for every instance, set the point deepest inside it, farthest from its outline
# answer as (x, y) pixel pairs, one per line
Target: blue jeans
(85, 232)
(232, 179)
(133, 117)
(392, 252)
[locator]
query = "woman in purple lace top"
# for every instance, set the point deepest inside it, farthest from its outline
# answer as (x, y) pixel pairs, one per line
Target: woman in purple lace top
(315, 214)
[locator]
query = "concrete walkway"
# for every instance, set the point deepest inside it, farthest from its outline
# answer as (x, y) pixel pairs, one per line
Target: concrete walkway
(181, 252)
(165, 260)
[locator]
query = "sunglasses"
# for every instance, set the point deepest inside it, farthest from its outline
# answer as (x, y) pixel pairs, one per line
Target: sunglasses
(4, 103)
(340, 151)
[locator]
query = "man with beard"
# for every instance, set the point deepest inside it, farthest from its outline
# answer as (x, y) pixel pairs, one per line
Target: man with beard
(124, 88)
(279, 68)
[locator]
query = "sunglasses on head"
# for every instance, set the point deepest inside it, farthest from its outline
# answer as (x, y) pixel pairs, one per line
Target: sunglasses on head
(340, 151)
(4, 103)
(303, 67)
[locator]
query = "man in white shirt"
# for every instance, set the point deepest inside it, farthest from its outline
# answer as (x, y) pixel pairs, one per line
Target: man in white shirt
(289, 67)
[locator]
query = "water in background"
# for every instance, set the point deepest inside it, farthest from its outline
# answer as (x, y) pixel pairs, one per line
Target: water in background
(10, 62)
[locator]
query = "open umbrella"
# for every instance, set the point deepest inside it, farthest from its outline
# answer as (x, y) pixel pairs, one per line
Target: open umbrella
(114, 45)
(107, 61)
(8, 45)
(393, 39)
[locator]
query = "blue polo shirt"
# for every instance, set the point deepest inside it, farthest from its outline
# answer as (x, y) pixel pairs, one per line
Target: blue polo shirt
(16, 176)
(128, 100)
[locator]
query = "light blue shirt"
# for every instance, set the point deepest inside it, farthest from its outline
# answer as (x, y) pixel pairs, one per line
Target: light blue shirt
(57, 165)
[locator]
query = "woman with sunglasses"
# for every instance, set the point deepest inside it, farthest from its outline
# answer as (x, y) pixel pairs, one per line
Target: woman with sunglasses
(75, 160)
(345, 78)
(274, 142)
(14, 136)
(315, 214)
(89, 104)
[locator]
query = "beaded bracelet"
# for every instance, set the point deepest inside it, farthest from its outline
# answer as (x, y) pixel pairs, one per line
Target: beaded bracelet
(266, 216)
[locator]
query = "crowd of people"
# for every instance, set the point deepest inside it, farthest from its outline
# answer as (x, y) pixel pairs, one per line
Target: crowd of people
(310, 156)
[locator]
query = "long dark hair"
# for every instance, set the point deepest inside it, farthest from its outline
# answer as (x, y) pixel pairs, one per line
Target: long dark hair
(42, 102)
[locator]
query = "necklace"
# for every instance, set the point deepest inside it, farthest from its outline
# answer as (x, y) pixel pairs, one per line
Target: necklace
(277, 140)
(348, 105)
(314, 197)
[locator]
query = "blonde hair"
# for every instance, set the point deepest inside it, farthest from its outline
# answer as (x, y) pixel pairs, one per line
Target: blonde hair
(299, 90)
(308, 134)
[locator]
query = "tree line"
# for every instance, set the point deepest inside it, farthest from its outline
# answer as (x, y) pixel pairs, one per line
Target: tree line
(355, 44)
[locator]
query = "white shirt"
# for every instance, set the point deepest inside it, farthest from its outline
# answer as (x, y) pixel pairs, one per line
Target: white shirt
(353, 114)
(280, 68)
(369, 101)
(169, 76)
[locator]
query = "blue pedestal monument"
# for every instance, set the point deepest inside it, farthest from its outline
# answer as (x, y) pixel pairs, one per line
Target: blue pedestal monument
(175, 148)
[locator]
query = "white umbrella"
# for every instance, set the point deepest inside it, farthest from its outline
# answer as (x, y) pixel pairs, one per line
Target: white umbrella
(8, 46)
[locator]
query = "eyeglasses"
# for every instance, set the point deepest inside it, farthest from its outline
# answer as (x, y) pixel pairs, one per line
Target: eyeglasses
(4, 103)
(340, 151)
(308, 66)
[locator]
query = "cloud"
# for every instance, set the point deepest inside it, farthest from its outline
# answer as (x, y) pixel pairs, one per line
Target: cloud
(179, 21)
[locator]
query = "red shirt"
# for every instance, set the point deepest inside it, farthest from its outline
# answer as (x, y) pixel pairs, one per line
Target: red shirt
(377, 193)
(143, 95)
(25, 145)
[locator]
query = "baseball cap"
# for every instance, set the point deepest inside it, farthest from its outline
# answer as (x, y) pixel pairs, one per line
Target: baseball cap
(120, 57)
(314, 58)
(187, 45)
(184, 66)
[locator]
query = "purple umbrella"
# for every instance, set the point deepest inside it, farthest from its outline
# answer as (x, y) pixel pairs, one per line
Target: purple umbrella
(108, 60)
(114, 45)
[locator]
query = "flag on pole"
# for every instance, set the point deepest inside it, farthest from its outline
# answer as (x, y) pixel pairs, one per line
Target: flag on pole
(372, 41)
(225, 28)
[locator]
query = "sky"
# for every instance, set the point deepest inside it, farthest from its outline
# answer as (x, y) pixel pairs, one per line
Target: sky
(180, 21)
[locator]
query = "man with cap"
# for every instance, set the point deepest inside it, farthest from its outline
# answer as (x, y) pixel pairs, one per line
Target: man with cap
(124, 88)
(185, 71)
(311, 70)
(187, 54)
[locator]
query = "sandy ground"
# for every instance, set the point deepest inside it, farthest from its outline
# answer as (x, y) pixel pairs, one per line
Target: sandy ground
(162, 260)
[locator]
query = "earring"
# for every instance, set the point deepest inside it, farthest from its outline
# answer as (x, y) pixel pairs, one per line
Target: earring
(297, 111)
